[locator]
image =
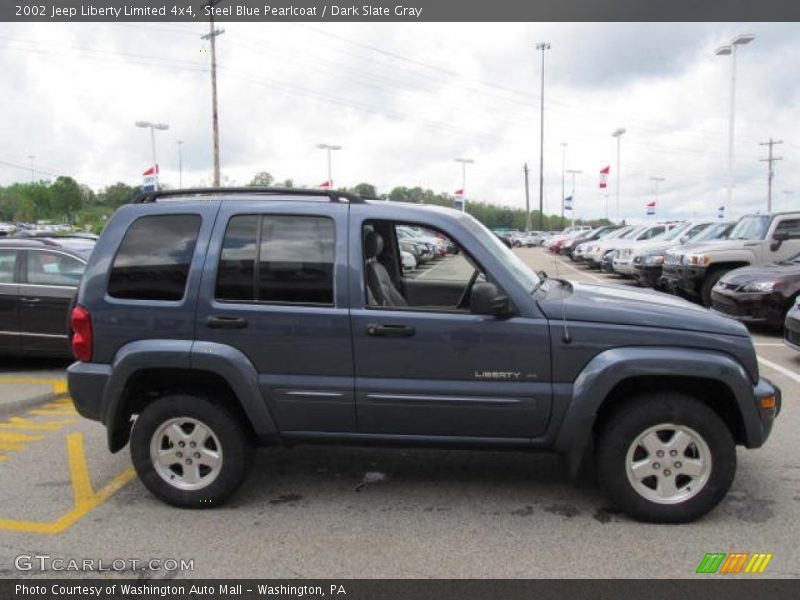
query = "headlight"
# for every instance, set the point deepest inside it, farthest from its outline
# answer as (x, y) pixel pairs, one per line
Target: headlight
(654, 259)
(700, 260)
(759, 286)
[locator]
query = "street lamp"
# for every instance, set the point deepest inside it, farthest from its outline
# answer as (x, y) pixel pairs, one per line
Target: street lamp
(464, 162)
(573, 172)
(329, 148)
(563, 166)
(152, 127)
(617, 133)
(657, 181)
(541, 46)
(730, 50)
(180, 163)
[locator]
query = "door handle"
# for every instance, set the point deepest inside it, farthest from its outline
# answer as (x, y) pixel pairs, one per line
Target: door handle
(390, 330)
(29, 300)
(222, 322)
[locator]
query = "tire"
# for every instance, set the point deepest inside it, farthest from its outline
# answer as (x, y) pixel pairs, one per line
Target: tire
(207, 482)
(621, 444)
(708, 283)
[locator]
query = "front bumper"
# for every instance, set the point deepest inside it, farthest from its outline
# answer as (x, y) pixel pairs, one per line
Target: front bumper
(755, 308)
(791, 329)
(623, 266)
(690, 279)
(648, 275)
(764, 389)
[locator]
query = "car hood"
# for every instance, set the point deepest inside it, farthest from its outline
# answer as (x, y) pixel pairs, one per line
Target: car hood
(769, 272)
(654, 246)
(718, 246)
(621, 305)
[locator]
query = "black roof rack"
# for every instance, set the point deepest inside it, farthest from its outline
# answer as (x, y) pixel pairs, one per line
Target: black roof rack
(332, 195)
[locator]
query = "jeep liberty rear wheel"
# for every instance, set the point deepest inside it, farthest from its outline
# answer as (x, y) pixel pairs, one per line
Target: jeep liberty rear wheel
(666, 458)
(190, 452)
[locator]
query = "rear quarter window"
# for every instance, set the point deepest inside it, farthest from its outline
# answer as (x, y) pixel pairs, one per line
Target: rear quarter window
(153, 260)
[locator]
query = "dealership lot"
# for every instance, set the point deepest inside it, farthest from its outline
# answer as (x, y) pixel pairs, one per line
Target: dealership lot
(365, 512)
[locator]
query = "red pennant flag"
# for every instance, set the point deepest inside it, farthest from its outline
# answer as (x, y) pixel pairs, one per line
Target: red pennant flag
(459, 193)
(651, 204)
(326, 185)
(604, 176)
(151, 171)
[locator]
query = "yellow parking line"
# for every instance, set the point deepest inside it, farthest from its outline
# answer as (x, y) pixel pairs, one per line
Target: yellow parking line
(59, 385)
(85, 499)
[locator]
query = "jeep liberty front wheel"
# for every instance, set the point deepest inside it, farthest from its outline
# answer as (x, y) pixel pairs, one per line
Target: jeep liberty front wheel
(190, 452)
(666, 458)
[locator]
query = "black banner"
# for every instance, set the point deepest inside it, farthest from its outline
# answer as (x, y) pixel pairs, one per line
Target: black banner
(400, 10)
(713, 588)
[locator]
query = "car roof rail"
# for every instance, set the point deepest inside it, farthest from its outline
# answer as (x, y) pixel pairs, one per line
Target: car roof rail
(331, 195)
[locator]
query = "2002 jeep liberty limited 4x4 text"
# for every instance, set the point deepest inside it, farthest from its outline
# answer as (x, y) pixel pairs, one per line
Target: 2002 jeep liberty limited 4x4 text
(212, 321)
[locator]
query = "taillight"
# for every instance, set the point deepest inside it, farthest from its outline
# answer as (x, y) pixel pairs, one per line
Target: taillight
(81, 333)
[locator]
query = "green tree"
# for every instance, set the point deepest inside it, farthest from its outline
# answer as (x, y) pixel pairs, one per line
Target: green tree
(262, 179)
(65, 196)
(118, 194)
(366, 190)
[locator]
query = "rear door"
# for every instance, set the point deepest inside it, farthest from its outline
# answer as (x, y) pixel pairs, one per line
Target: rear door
(49, 281)
(275, 288)
(9, 302)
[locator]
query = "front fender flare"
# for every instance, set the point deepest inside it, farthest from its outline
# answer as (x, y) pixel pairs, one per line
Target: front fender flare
(609, 368)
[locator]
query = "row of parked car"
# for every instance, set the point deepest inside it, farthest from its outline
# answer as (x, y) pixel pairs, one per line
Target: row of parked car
(748, 269)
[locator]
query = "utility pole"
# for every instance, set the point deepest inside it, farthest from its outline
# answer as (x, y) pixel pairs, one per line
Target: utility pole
(211, 36)
(770, 160)
(563, 166)
(541, 46)
(527, 200)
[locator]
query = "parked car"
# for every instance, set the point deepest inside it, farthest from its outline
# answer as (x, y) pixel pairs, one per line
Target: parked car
(674, 256)
(225, 319)
(409, 262)
(622, 263)
(754, 240)
(791, 326)
(648, 257)
(38, 280)
(568, 247)
(581, 249)
(759, 295)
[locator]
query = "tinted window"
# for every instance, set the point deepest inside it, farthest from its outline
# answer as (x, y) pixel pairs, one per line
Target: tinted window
(236, 273)
(7, 260)
(294, 260)
(50, 268)
(154, 257)
(790, 227)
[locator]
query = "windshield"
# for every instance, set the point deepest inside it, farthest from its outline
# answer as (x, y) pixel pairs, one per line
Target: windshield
(711, 232)
(613, 234)
(521, 272)
(753, 227)
(670, 235)
(633, 233)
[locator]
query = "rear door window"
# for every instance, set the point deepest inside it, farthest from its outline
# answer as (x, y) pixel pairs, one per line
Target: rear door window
(52, 268)
(8, 259)
(154, 258)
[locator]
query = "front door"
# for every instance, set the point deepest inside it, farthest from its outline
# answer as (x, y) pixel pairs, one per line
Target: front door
(277, 292)
(426, 366)
(9, 303)
(49, 281)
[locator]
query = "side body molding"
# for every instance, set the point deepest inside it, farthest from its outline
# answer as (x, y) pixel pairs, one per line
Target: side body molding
(607, 369)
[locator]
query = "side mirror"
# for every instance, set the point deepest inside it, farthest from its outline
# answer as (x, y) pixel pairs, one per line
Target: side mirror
(778, 238)
(486, 299)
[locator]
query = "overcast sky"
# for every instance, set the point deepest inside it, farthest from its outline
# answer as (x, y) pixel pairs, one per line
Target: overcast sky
(404, 100)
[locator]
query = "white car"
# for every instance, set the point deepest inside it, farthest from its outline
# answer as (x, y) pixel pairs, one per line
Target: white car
(409, 262)
(622, 264)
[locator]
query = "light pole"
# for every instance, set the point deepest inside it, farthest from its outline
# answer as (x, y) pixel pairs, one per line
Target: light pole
(328, 148)
(32, 158)
(657, 181)
(573, 172)
(180, 163)
(617, 133)
(730, 50)
(541, 46)
(152, 127)
(563, 166)
(464, 162)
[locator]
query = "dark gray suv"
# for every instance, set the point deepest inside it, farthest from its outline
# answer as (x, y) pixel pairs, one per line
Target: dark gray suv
(212, 321)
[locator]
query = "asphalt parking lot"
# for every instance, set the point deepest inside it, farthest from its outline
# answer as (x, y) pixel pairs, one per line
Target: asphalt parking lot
(364, 512)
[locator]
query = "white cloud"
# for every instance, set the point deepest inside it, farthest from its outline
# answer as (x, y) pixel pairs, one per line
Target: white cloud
(405, 100)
